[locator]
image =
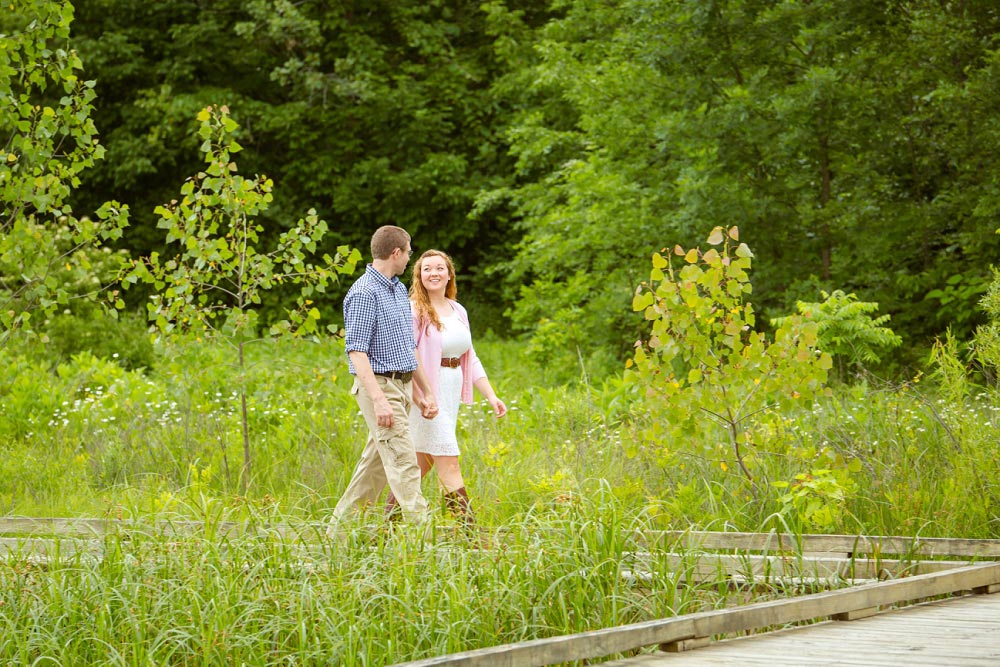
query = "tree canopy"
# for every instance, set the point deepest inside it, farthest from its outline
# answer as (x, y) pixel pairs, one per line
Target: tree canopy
(553, 147)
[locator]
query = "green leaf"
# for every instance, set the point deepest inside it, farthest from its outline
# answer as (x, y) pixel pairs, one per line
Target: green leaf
(641, 301)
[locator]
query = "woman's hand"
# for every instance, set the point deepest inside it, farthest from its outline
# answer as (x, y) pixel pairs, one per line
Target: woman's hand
(499, 409)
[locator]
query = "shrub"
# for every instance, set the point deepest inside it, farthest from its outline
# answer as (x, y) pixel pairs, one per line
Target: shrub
(847, 328)
(125, 341)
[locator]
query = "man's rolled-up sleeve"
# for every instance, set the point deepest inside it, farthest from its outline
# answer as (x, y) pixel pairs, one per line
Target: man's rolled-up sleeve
(359, 322)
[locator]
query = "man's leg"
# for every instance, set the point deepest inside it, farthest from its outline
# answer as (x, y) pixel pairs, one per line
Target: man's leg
(388, 457)
(399, 460)
(366, 483)
(392, 511)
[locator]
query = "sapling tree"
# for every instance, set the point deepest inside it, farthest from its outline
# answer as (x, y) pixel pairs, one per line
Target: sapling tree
(47, 139)
(213, 284)
(705, 359)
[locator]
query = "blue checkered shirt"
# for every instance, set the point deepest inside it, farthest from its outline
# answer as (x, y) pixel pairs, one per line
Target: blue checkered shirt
(378, 322)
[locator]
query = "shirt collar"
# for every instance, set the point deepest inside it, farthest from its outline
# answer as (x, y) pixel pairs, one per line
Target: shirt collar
(378, 276)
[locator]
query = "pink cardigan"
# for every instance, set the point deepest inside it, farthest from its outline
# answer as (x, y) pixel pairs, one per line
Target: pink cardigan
(429, 355)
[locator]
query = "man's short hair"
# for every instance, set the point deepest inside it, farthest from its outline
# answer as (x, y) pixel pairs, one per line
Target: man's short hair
(386, 239)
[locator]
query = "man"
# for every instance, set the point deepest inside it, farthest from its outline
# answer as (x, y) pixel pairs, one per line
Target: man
(380, 349)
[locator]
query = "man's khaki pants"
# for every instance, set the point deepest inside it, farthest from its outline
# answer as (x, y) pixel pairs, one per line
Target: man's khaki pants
(388, 457)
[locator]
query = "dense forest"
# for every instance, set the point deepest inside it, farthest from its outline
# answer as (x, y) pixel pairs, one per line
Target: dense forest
(553, 147)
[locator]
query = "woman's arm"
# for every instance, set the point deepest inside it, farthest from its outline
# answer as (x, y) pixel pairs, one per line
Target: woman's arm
(486, 389)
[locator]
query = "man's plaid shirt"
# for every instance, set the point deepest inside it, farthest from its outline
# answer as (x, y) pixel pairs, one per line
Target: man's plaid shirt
(378, 321)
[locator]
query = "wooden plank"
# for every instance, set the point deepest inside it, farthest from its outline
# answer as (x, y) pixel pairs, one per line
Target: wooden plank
(53, 526)
(855, 614)
(958, 632)
(41, 549)
(88, 527)
(607, 641)
(711, 567)
(851, 544)
(734, 541)
(686, 645)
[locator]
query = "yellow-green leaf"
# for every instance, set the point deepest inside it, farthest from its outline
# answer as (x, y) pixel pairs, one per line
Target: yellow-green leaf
(716, 237)
(642, 301)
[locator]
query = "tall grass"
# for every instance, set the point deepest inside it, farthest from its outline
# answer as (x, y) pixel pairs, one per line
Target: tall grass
(559, 486)
(89, 437)
(264, 598)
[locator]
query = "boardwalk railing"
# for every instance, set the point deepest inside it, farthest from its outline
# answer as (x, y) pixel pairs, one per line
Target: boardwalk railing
(916, 568)
(819, 559)
(45, 537)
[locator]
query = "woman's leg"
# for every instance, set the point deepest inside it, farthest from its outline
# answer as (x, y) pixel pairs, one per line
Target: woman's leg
(455, 497)
(449, 473)
(426, 462)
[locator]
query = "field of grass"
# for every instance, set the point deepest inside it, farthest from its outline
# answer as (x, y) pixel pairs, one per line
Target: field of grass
(558, 486)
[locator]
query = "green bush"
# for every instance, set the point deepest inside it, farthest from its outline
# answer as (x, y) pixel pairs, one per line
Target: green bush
(848, 328)
(125, 341)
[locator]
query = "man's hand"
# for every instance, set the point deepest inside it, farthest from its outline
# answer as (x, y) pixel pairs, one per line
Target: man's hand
(427, 403)
(383, 411)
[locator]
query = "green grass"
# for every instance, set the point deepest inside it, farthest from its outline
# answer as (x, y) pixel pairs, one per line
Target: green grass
(558, 484)
(215, 598)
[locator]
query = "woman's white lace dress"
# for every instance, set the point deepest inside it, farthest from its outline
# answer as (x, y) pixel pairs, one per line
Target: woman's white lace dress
(437, 436)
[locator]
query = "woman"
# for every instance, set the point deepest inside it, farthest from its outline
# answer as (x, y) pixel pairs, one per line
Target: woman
(452, 369)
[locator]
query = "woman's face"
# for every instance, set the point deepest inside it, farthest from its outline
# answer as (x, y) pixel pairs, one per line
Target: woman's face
(434, 274)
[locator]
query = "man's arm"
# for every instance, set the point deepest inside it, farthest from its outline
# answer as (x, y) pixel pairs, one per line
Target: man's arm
(366, 378)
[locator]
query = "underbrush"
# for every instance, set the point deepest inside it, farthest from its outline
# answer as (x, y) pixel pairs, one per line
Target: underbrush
(560, 487)
(89, 437)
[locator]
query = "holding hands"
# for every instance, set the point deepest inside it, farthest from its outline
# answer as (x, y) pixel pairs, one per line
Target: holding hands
(428, 408)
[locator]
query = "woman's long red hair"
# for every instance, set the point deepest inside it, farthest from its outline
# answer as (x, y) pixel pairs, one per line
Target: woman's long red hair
(418, 293)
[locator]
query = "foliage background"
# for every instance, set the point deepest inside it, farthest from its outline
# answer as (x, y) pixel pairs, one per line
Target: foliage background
(551, 147)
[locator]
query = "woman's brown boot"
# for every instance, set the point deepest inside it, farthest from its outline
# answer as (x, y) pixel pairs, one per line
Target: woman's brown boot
(458, 504)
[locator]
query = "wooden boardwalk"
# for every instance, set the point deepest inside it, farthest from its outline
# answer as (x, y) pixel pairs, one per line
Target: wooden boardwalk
(857, 625)
(957, 632)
